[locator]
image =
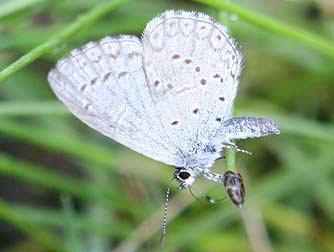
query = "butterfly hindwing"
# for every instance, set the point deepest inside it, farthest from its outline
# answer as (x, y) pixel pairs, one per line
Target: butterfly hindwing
(192, 67)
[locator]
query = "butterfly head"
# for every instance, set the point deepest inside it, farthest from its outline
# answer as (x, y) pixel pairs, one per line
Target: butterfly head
(185, 177)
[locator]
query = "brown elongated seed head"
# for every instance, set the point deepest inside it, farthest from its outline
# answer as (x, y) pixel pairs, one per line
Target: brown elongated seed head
(235, 187)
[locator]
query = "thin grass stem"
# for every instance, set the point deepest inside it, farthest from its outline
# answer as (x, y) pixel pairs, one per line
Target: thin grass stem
(306, 38)
(79, 24)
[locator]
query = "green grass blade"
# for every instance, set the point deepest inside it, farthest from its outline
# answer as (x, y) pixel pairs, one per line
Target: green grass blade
(39, 234)
(32, 108)
(69, 145)
(11, 166)
(60, 183)
(42, 216)
(71, 232)
(10, 7)
(304, 37)
(81, 23)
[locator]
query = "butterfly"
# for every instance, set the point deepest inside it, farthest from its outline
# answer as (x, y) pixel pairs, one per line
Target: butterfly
(167, 95)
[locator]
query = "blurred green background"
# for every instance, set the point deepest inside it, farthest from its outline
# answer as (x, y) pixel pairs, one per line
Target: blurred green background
(64, 187)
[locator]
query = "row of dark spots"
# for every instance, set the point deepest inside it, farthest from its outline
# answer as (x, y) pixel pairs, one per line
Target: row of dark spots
(131, 55)
(157, 82)
(176, 122)
(105, 78)
(202, 81)
(195, 111)
(92, 82)
(186, 61)
(198, 69)
(217, 76)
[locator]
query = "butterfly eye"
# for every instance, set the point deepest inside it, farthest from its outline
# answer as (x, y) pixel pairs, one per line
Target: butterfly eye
(184, 175)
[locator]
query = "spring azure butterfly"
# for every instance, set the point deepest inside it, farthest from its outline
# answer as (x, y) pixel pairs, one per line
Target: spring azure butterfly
(167, 95)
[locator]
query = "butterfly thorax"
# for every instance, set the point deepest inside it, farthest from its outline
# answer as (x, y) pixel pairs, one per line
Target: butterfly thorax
(202, 155)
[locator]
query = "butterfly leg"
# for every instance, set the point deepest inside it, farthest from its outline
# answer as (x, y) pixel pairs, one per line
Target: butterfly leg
(233, 183)
(231, 145)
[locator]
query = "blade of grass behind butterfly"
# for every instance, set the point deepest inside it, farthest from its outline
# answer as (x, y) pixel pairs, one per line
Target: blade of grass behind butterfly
(59, 142)
(44, 48)
(104, 212)
(10, 8)
(72, 234)
(54, 218)
(61, 183)
(306, 38)
(41, 235)
(128, 21)
(300, 161)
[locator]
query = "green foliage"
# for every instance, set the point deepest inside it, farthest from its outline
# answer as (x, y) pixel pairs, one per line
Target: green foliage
(106, 197)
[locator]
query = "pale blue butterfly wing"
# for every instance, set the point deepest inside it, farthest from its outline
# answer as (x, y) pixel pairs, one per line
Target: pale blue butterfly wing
(104, 85)
(167, 96)
(192, 67)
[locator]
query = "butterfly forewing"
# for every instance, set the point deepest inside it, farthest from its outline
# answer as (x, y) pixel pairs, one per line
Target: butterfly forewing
(104, 85)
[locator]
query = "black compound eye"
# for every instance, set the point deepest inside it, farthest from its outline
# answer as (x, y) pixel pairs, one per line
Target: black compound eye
(184, 175)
